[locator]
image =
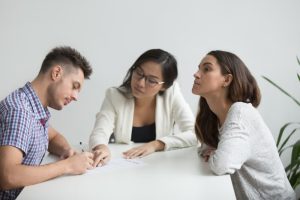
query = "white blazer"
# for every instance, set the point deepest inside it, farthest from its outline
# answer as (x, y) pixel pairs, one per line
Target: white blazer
(116, 116)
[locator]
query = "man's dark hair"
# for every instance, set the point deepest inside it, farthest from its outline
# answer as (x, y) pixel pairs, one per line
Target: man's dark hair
(67, 57)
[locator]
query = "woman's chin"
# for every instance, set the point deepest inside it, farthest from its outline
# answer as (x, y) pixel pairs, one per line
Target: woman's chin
(195, 91)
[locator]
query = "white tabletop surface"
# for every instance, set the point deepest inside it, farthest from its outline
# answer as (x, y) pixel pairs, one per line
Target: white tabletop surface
(171, 175)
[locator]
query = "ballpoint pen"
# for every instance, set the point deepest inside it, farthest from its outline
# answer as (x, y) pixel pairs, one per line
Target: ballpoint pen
(82, 149)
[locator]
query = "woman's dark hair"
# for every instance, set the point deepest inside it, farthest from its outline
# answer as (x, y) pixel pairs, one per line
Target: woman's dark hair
(166, 60)
(243, 88)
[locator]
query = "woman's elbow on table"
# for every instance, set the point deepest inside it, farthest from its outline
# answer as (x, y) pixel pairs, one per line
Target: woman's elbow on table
(221, 168)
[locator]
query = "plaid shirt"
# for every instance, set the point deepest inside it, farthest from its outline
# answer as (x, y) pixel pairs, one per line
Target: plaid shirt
(24, 125)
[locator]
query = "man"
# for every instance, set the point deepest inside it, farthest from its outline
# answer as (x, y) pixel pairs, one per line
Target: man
(25, 134)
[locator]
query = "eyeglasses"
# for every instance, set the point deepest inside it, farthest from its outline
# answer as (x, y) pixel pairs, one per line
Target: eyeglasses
(138, 74)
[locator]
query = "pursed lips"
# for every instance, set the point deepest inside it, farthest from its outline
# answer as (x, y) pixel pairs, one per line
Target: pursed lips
(196, 83)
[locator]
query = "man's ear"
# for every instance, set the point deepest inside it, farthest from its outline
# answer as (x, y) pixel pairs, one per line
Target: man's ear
(227, 80)
(56, 72)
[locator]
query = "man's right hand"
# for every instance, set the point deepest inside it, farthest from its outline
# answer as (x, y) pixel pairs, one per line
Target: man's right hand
(79, 163)
(101, 155)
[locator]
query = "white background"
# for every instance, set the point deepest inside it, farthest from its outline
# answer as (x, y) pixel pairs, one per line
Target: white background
(111, 34)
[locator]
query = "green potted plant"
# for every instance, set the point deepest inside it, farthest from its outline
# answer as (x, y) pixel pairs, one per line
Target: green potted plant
(285, 133)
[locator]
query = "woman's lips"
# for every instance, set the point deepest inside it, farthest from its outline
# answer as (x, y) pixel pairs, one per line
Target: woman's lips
(138, 90)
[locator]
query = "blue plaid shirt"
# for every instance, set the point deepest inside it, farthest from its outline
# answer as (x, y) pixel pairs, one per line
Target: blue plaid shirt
(24, 125)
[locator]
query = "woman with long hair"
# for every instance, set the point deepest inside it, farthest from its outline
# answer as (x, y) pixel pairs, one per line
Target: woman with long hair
(235, 139)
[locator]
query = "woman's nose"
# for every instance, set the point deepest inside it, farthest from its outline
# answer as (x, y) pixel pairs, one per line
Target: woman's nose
(142, 81)
(197, 74)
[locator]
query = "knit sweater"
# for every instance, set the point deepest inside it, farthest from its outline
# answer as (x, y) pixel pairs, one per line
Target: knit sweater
(247, 151)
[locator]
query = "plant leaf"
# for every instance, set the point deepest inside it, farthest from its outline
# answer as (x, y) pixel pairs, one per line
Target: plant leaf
(287, 138)
(294, 176)
(289, 168)
(295, 180)
(282, 90)
(299, 65)
(283, 149)
(293, 170)
(281, 133)
(295, 152)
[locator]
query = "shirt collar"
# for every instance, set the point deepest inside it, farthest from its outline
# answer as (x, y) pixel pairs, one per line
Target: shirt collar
(36, 105)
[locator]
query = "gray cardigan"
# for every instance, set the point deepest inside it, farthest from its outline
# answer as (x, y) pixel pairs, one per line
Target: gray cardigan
(247, 151)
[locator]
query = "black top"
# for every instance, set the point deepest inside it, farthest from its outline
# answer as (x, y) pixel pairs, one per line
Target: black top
(144, 133)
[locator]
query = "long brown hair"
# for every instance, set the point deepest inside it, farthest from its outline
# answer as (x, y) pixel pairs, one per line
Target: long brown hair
(243, 88)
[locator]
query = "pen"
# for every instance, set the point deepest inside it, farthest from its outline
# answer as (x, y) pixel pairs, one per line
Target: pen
(82, 150)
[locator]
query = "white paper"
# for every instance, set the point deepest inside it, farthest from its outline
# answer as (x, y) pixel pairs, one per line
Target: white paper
(117, 163)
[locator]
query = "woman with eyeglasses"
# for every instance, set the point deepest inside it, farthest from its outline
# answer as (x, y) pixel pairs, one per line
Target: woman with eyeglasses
(235, 139)
(144, 109)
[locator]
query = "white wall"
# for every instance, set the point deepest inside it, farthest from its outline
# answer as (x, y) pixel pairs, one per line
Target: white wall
(112, 34)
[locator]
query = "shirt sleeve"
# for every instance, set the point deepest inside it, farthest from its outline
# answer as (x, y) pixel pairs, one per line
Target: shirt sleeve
(184, 118)
(104, 124)
(233, 149)
(15, 129)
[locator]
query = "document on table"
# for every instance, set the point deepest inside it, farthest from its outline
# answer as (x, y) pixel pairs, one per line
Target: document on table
(117, 163)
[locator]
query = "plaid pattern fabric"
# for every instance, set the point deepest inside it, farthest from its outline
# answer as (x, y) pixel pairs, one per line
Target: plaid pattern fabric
(24, 125)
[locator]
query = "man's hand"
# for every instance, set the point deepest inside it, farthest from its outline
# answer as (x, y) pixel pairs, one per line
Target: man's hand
(79, 163)
(68, 153)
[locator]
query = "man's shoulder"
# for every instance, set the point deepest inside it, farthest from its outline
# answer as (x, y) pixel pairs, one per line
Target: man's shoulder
(17, 100)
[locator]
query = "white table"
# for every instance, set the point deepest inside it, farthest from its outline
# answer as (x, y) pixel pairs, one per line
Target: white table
(172, 175)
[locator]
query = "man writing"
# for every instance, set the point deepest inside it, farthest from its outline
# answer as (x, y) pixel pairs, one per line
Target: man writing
(25, 134)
